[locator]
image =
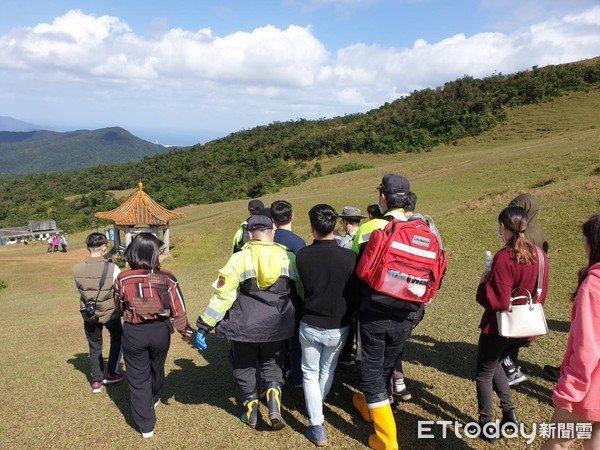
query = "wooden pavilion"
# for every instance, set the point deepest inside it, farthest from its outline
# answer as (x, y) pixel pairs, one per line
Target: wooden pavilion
(140, 213)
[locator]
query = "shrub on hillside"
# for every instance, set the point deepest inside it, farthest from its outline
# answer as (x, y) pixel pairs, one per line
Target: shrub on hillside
(349, 168)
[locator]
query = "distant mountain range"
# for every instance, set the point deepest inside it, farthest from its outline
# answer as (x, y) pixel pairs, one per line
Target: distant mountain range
(37, 150)
(11, 124)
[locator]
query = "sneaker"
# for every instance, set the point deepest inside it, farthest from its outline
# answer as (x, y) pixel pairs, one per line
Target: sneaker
(97, 387)
(317, 435)
(516, 377)
(148, 434)
(552, 373)
(347, 360)
(401, 391)
(112, 379)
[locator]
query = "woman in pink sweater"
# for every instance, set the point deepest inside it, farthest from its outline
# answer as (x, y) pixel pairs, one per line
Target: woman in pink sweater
(577, 393)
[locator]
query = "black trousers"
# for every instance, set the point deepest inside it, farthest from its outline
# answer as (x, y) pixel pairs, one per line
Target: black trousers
(244, 357)
(490, 376)
(295, 354)
(382, 341)
(93, 333)
(145, 348)
(399, 371)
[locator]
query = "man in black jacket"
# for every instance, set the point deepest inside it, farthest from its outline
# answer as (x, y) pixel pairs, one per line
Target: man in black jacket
(326, 270)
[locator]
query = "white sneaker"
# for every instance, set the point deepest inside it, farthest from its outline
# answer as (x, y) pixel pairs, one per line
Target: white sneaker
(148, 435)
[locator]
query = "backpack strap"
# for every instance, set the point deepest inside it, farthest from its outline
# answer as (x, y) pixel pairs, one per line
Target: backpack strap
(101, 283)
(541, 270)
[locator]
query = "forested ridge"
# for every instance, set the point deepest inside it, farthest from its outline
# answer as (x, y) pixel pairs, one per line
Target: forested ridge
(52, 151)
(264, 159)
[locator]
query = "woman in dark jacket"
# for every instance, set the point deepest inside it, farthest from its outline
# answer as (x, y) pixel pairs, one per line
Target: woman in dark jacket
(514, 266)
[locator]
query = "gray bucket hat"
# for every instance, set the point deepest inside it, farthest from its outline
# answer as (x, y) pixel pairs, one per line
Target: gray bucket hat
(350, 212)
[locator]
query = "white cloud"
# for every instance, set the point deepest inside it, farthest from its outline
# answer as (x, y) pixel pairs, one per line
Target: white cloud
(104, 47)
(248, 78)
(376, 69)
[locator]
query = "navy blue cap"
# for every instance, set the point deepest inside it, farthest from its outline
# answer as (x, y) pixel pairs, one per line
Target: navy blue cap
(259, 222)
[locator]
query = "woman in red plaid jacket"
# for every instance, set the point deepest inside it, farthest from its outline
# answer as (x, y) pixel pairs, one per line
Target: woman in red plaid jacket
(152, 306)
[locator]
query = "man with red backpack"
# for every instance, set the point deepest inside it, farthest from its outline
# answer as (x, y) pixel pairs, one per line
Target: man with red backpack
(393, 292)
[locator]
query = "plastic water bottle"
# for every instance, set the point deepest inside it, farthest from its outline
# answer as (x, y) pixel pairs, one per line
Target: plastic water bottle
(488, 260)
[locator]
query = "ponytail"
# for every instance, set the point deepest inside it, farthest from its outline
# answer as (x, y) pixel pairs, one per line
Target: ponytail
(515, 219)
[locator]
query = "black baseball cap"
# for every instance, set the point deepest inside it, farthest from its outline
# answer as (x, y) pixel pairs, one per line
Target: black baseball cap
(259, 222)
(394, 184)
(255, 206)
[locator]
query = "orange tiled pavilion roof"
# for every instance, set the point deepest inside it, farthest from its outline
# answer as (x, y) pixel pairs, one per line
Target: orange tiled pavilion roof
(139, 209)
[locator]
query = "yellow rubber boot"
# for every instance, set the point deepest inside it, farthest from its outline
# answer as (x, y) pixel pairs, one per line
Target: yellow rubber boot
(385, 437)
(360, 402)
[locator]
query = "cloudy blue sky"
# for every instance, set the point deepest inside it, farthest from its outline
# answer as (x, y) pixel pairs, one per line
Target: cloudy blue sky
(185, 71)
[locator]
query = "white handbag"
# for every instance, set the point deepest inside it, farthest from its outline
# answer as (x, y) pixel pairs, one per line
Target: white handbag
(527, 320)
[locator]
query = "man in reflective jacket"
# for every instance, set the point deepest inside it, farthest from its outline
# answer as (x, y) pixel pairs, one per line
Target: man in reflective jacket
(385, 326)
(254, 307)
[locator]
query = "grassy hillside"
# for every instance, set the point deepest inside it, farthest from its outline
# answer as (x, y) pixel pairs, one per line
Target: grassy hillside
(551, 150)
(51, 151)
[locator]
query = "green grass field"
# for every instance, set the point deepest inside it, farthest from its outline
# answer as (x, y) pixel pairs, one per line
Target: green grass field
(551, 150)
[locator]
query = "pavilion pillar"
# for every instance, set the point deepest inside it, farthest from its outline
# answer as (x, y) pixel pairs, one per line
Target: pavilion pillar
(127, 236)
(166, 239)
(116, 239)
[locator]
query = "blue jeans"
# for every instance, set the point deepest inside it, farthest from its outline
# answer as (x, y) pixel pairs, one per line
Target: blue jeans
(320, 351)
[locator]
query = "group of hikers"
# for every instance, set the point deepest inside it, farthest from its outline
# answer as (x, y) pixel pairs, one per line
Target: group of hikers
(56, 240)
(290, 308)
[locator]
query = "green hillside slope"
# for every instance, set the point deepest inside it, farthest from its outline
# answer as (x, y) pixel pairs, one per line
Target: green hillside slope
(51, 151)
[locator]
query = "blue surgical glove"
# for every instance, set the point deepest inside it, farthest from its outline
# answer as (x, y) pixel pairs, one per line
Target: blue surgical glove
(201, 341)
